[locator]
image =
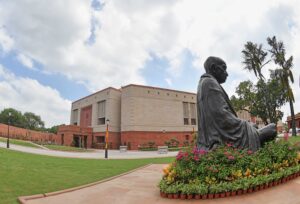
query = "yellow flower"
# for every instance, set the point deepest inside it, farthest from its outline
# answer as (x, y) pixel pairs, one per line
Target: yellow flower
(285, 163)
(247, 173)
(237, 174)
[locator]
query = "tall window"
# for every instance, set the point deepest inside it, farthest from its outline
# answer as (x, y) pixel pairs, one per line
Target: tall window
(185, 113)
(75, 117)
(193, 113)
(101, 113)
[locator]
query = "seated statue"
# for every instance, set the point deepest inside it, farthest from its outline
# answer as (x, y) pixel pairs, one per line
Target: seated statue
(217, 121)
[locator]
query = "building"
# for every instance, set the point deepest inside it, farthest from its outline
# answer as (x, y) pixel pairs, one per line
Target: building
(137, 115)
(297, 121)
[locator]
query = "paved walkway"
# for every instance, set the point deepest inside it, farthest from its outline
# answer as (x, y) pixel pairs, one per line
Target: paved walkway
(97, 154)
(140, 186)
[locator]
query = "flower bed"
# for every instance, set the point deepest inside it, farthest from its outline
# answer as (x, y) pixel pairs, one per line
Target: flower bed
(228, 171)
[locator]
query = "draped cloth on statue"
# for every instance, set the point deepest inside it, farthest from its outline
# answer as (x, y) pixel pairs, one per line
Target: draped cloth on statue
(217, 121)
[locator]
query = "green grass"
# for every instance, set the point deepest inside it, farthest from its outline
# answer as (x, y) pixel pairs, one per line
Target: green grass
(26, 174)
(66, 148)
(294, 139)
(19, 142)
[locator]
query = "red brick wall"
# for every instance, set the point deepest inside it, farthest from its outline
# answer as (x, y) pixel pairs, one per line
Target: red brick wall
(68, 131)
(114, 139)
(137, 138)
(86, 116)
(24, 134)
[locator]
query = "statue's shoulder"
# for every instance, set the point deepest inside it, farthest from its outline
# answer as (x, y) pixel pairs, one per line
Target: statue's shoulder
(207, 79)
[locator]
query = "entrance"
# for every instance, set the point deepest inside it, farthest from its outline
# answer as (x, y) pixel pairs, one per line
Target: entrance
(85, 142)
(76, 140)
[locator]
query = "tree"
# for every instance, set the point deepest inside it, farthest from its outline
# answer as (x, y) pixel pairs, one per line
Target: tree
(254, 58)
(283, 73)
(251, 98)
(16, 118)
(32, 121)
(273, 93)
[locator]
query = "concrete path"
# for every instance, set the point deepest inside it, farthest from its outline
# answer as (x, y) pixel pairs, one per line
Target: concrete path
(97, 154)
(140, 186)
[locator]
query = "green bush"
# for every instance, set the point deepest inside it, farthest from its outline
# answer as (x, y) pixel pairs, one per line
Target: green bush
(228, 168)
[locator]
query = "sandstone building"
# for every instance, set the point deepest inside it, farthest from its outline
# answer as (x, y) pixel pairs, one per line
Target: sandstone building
(137, 115)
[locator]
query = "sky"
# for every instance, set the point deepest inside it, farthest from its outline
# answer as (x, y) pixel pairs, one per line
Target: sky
(55, 52)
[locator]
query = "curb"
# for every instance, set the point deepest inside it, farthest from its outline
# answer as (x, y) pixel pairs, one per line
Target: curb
(24, 199)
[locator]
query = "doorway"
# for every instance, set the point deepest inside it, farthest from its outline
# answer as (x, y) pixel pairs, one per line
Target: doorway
(76, 140)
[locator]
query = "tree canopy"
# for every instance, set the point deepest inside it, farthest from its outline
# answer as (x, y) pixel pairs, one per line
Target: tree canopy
(265, 98)
(27, 120)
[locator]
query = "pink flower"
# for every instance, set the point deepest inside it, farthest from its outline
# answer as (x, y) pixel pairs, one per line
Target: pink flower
(249, 152)
(229, 144)
(230, 157)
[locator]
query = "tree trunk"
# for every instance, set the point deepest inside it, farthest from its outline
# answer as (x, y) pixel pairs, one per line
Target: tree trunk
(293, 118)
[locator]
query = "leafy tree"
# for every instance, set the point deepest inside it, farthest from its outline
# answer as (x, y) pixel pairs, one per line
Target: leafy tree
(33, 121)
(283, 73)
(254, 58)
(16, 118)
(251, 99)
(271, 94)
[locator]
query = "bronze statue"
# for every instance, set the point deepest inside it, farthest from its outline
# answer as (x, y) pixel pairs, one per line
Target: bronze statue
(217, 121)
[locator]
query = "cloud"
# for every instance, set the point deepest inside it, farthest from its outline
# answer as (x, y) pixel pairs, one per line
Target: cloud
(26, 61)
(28, 95)
(110, 45)
(6, 42)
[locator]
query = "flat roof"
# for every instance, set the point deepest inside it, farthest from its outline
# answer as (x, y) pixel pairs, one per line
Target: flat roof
(96, 93)
(152, 87)
(136, 85)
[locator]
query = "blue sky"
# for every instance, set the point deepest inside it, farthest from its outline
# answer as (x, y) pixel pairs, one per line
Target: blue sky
(52, 53)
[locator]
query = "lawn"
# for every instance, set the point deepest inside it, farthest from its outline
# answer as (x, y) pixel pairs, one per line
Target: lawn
(27, 174)
(66, 148)
(294, 139)
(19, 142)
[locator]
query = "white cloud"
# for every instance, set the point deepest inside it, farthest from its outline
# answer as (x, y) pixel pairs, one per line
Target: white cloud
(6, 42)
(26, 61)
(28, 95)
(169, 81)
(126, 33)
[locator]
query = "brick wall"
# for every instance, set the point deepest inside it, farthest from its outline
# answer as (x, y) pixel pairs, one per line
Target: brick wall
(66, 134)
(114, 139)
(25, 134)
(138, 138)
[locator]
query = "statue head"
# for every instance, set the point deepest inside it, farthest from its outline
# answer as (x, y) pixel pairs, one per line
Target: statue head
(217, 68)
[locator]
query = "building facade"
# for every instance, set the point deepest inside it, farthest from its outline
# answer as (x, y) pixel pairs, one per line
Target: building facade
(137, 115)
(297, 121)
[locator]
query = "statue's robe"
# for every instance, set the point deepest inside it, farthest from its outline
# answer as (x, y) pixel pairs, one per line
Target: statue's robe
(218, 122)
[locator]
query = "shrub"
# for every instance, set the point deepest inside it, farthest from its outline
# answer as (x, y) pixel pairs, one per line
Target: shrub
(228, 168)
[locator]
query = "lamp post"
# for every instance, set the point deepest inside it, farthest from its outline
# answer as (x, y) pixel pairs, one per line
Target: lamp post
(8, 123)
(106, 139)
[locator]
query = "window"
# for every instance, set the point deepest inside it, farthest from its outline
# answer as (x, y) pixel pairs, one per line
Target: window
(100, 139)
(75, 117)
(193, 121)
(193, 113)
(185, 113)
(185, 121)
(101, 113)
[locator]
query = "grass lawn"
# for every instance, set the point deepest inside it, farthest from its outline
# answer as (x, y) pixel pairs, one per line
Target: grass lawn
(19, 142)
(27, 174)
(66, 148)
(294, 139)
